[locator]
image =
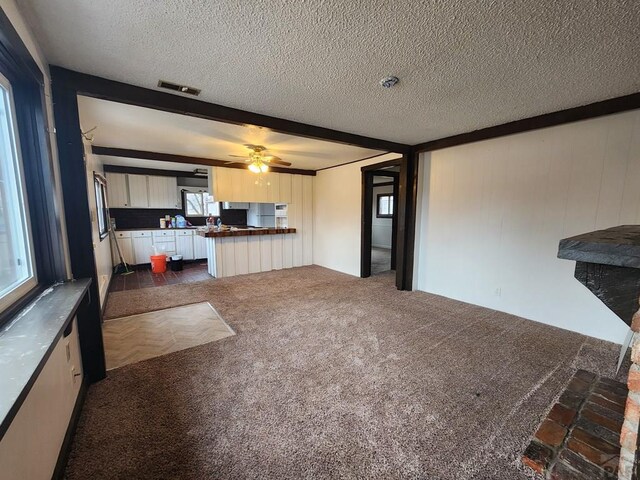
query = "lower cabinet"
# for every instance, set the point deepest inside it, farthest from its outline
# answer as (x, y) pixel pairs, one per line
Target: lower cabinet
(126, 248)
(142, 247)
(184, 244)
(199, 247)
(137, 246)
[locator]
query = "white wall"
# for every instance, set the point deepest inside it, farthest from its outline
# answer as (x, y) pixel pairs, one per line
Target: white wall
(101, 248)
(337, 211)
(381, 228)
(491, 215)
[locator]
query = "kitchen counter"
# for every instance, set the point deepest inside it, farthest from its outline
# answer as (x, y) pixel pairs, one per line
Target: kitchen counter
(243, 232)
(152, 228)
(249, 250)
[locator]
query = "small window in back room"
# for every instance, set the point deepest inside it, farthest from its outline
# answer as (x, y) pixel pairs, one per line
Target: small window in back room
(385, 206)
(17, 270)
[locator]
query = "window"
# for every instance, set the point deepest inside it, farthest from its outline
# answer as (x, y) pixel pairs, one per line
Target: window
(102, 211)
(17, 269)
(200, 204)
(385, 206)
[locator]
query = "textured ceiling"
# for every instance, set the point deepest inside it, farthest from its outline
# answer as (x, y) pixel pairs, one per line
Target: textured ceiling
(137, 128)
(463, 64)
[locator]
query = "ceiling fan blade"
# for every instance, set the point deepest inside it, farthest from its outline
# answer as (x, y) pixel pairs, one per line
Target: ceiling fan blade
(257, 148)
(277, 160)
(239, 156)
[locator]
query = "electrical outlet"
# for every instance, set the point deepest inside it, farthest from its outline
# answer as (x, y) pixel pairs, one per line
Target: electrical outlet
(74, 375)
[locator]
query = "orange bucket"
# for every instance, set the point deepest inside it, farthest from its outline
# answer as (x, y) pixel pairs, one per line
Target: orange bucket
(158, 263)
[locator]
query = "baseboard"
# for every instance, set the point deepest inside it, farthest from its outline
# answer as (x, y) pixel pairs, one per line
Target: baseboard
(65, 450)
(106, 297)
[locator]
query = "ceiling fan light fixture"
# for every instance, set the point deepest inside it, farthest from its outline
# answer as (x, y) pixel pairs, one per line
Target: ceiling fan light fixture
(264, 168)
(254, 167)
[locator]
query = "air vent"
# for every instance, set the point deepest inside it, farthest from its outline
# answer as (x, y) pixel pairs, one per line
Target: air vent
(179, 88)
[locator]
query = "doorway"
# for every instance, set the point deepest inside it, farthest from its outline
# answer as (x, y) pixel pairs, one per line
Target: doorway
(379, 218)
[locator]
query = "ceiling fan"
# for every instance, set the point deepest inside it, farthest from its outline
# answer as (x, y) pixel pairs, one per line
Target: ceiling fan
(258, 161)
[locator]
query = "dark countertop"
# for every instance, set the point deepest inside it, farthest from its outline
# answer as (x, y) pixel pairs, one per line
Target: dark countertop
(243, 232)
(617, 246)
(27, 341)
(154, 228)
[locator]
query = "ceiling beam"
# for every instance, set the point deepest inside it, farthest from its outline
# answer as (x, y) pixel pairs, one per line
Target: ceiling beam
(102, 88)
(169, 157)
(584, 112)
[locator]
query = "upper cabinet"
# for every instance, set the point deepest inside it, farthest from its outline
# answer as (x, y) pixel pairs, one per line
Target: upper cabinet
(126, 190)
(240, 185)
(117, 191)
(163, 192)
(138, 191)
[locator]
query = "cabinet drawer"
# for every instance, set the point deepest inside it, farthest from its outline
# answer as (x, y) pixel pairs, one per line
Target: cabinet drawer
(141, 233)
(163, 233)
(123, 234)
(184, 233)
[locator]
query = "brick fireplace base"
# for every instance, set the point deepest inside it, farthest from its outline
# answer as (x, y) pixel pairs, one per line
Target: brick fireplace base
(580, 437)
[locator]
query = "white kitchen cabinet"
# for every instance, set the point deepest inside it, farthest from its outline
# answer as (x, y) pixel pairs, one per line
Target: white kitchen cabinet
(126, 248)
(117, 191)
(222, 181)
(199, 246)
(142, 247)
(184, 244)
(163, 192)
(165, 241)
(241, 185)
(138, 191)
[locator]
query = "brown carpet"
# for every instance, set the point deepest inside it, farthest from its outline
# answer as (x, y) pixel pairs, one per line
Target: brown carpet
(330, 376)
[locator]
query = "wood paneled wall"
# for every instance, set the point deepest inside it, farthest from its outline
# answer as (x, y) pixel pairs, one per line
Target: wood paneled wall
(492, 214)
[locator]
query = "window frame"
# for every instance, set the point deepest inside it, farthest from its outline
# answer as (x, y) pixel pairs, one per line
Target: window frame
(29, 284)
(205, 203)
(43, 200)
(390, 205)
(185, 203)
(102, 212)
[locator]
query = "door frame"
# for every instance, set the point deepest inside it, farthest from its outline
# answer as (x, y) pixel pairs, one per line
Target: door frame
(368, 173)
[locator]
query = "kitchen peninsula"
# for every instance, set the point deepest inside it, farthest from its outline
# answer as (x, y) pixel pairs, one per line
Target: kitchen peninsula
(238, 251)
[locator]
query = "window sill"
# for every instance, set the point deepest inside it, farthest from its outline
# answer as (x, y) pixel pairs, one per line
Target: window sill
(27, 340)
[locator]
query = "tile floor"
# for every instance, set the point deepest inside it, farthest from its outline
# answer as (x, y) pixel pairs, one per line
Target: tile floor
(144, 278)
(147, 335)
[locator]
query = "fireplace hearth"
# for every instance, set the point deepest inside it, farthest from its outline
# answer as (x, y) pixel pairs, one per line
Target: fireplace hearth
(601, 438)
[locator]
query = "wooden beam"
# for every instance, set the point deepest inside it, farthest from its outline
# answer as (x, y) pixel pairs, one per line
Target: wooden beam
(585, 112)
(78, 218)
(406, 202)
(105, 89)
(169, 157)
(150, 171)
(354, 161)
(395, 162)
